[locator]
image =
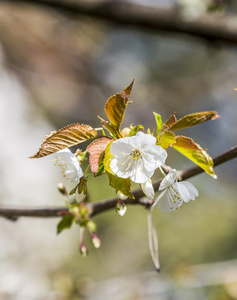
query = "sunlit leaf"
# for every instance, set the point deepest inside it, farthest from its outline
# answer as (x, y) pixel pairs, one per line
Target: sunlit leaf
(194, 152)
(65, 223)
(158, 122)
(96, 150)
(116, 105)
(121, 184)
(135, 129)
(108, 158)
(68, 136)
(128, 89)
(166, 139)
(166, 126)
(194, 119)
(112, 131)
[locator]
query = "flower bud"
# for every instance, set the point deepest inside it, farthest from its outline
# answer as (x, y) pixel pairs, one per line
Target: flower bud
(95, 240)
(148, 189)
(62, 189)
(121, 208)
(83, 249)
(91, 226)
(121, 195)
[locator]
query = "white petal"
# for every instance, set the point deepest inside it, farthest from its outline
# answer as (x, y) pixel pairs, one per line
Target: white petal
(158, 154)
(183, 191)
(141, 176)
(135, 141)
(80, 197)
(70, 165)
(191, 188)
(121, 147)
(147, 141)
(148, 189)
(118, 166)
(163, 202)
(169, 179)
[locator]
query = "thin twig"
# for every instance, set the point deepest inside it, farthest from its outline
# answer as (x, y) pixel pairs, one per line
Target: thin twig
(102, 206)
(208, 26)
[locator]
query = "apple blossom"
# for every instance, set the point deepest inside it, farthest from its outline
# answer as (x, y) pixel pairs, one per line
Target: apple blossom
(136, 157)
(71, 168)
(174, 193)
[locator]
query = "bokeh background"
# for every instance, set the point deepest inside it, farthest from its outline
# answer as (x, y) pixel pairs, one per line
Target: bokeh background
(56, 69)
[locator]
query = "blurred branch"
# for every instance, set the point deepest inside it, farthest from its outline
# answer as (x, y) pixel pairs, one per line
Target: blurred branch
(102, 206)
(209, 27)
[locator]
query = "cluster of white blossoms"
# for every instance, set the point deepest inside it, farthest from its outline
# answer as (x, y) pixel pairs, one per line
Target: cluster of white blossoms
(137, 158)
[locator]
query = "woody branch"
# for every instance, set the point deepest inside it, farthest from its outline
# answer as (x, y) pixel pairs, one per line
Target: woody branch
(209, 27)
(102, 206)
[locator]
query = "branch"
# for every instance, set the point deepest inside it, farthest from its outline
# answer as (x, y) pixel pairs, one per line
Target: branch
(102, 206)
(209, 27)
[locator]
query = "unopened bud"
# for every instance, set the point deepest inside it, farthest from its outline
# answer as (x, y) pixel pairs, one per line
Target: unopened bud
(95, 240)
(91, 226)
(121, 208)
(83, 249)
(62, 189)
(148, 189)
(121, 195)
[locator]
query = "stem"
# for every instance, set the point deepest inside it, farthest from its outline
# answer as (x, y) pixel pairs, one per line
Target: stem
(162, 172)
(103, 206)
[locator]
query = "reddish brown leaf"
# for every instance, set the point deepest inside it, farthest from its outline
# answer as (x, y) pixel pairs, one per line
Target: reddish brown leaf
(171, 120)
(68, 136)
(96, 150)
(116, 105)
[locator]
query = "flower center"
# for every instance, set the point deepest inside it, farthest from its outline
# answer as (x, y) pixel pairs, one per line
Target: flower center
(136, 154)
(133, 159)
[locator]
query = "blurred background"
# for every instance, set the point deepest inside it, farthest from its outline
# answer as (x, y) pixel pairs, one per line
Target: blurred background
(57, 69)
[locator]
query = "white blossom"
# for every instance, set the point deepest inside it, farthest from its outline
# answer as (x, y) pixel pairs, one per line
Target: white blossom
(174, 193)
(136, 157)
(69, 164)
(148, 189)
(71, 170)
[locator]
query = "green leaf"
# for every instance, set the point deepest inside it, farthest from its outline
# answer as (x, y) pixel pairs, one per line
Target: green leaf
(166, 126)
(135, 129)
(101, 168)
(194, 119)
(68, 136)
(96, 150)
(121, 184)
(73, 191)
(108, 158)
(158, 122)
(65, 223)
(166, 139)
(195, 153)
(116, 105)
